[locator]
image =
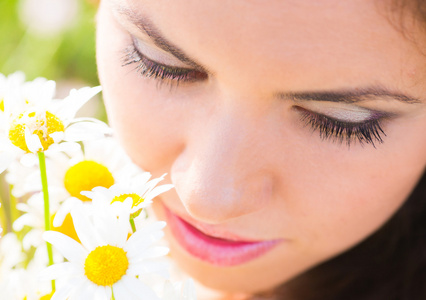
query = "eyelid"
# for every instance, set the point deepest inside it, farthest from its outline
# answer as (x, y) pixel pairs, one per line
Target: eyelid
(161, 73)
(158, 55)
(343, 112)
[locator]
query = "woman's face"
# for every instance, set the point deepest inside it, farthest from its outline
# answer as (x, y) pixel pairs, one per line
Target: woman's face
(291, 130)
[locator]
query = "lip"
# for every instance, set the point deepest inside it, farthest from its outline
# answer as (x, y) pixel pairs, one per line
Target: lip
(217, 251)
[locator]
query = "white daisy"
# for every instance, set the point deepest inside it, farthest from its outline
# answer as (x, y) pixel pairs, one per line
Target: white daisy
(34, 122)
(103, 163)
(139, 189)
(107, 260)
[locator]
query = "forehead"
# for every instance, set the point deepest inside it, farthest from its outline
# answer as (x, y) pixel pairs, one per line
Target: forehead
(291, 38)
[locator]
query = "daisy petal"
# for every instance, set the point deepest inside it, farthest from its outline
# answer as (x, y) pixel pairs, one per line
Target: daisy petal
(138, 288)
(64, 210)
(144, 267)
(83, 131)
(102, 293)
(65, 269)
(121, 292)
(5, 161)
(71, 286)
(153, 252)
(57, 136)
(28, 160)
(144, 237)
(75, 100)
(46, 90)
(70, 148)
(68, 247)
(85, 291)
(158, 190)
(32, 141)
(62, 292)
(85, 231)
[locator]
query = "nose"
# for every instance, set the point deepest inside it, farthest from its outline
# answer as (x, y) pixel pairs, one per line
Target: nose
(221, 174)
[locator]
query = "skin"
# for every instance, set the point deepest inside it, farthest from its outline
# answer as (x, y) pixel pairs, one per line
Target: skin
(244, 162)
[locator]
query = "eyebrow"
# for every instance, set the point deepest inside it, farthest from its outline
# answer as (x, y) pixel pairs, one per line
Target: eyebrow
(350, 95)
(145, 25)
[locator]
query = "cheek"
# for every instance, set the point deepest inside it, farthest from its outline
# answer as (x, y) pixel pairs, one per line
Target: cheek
(347, 197)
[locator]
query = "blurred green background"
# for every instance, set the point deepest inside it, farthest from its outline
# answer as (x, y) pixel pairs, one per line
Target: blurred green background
(49, 38)
(54, 39)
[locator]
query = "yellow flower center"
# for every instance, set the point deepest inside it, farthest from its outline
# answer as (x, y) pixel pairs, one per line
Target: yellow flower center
(2, 105)
(43, 124)
(86, 175)
(135, 197)
(66, 228)
(106, 265)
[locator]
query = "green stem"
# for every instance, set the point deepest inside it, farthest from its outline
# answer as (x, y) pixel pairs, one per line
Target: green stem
(5, 210)
(132, 222)
(3, 217)
(43, 174)
(112, 293)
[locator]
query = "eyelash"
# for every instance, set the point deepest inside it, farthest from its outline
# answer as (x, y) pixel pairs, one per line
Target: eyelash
(163, 73)
(331, 129)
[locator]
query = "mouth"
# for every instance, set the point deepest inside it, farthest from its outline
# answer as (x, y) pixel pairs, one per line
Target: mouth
(214, 250)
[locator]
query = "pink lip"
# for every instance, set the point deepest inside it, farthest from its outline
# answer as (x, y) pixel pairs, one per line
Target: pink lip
(217, 251)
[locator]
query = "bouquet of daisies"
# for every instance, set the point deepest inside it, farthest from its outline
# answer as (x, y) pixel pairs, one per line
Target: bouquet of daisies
(75, 224)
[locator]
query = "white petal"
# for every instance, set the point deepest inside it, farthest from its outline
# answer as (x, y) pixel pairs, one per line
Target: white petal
(188, 289)
(5, 161)
(65, 209)
(70, 148)
(85, 231)
(169, 292)
(75, 100)
(32, 238)
(65, 269)
(142, 179)
(158, 190)
(57, 136)
(145, 267)
(85, 131)
(102, 293)
(138, 288)
(85, 291)
(46, 91)
(23, 220)
(68, 247)
(139, 244)
(62, 292)
(32, 141)
(150, 253)
(29, 160)
(72, 285)
(144, 237)
(122, 293)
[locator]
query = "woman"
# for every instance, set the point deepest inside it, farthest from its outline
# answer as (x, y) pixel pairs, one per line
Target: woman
(293, 132)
